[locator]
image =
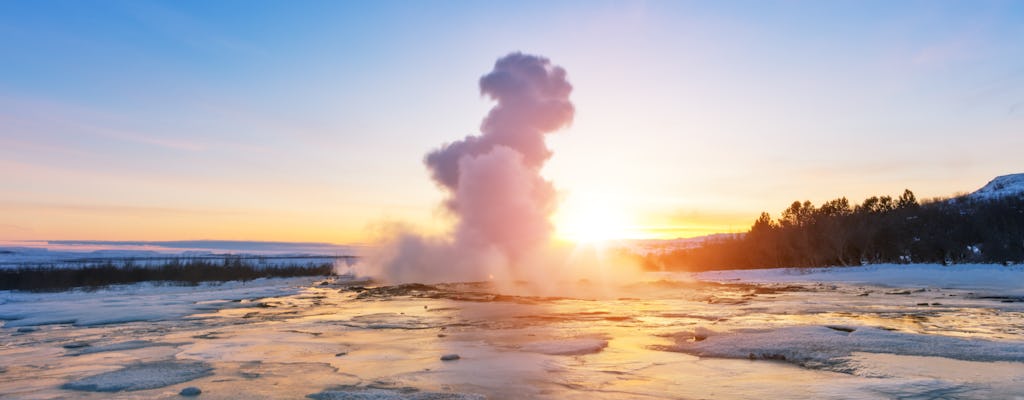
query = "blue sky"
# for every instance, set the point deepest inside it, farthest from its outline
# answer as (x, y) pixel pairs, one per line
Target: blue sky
(308, 120)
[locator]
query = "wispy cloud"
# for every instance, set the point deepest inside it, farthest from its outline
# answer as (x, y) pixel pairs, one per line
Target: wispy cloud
(945, 52)
(115, 209)
(16, 228)
(57, 124)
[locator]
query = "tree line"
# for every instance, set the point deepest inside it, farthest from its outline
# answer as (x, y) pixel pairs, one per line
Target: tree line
(881, 229)
(179, 271)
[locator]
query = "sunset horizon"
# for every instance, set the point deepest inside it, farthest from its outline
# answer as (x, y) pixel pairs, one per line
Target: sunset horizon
(307, 135)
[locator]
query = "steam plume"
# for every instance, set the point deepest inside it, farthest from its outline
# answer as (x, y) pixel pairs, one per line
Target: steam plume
(493, 181)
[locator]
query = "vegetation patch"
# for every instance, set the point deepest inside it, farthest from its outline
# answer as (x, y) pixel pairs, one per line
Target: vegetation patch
(882, 229)
(179, 271)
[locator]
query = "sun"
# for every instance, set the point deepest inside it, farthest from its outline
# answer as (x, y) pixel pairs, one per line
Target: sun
(591, 221)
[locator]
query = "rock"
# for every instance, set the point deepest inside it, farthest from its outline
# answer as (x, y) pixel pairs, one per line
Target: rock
(190, 391)
(450, 357)
(27, 329)
(76, 345)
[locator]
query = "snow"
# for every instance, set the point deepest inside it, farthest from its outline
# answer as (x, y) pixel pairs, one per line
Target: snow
(357, 393)
(831, 333)
(831, 347)
(996, 279)
(566, 347)
(138, 302)
(120, 346)
(659, 246)
(142, 377)
(1001, 186)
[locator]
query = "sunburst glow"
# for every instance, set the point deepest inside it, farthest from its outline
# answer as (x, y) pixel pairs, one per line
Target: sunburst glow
(591, 219)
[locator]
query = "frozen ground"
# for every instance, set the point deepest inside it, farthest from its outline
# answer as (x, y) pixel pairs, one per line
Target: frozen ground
(1001, 186)
(1004, 280)
(875, 332)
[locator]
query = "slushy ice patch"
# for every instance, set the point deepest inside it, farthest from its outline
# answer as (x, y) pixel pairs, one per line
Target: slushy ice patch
(142, 377)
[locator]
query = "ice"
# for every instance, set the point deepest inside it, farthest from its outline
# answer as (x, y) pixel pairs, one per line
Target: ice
(841, 336)
(1007, 280)
(142, 377)
(567, 347)
(830, 347)
(120, 346)
(138, 302)
(356, 393)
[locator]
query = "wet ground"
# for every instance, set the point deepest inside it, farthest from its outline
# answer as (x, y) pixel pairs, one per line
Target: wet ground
(666, 337)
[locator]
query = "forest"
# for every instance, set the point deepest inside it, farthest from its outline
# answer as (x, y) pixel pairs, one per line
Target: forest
(881, 229)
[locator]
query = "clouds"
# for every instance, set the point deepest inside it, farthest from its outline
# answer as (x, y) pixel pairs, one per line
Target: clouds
(533, 99)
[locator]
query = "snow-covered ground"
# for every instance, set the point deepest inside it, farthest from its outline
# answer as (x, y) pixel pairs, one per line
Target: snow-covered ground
(875, 332)
(138, 302)
(1004, 280)
(1001, 186)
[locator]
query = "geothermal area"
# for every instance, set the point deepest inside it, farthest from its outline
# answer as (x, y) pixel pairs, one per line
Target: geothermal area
(497, 309)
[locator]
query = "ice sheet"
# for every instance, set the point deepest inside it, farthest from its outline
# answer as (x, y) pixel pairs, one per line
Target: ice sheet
(1007, 280)
(141, 377)
(292, 339)
(138, 302)
(831, 346)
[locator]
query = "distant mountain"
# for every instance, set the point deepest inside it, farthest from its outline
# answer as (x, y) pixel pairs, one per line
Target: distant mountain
(648, 246)
(1001, 186)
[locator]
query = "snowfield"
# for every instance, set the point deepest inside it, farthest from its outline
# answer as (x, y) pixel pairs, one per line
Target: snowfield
(142, 302)
(1001, 186)
(996, 279)
(874, 332)
(831, 347)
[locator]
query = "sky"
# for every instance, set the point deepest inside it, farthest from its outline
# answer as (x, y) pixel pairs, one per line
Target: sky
(309, 121)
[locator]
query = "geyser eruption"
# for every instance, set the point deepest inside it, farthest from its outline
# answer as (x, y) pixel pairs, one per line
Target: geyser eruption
(500, 201)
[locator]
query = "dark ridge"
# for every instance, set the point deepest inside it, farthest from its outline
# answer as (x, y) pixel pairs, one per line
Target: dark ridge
(179, 271)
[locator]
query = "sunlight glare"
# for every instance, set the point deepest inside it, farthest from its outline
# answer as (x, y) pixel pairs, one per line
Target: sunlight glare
(582, 219)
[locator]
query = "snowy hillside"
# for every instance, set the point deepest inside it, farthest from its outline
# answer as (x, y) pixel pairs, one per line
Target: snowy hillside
(657, 246)
(1001, 186)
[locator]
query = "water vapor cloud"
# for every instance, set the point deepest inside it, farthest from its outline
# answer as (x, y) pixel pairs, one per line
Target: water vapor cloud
(500, 201)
